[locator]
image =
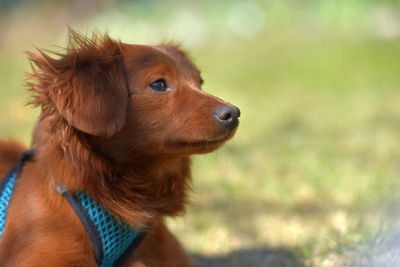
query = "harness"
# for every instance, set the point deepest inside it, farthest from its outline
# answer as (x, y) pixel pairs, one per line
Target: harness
(113, 240)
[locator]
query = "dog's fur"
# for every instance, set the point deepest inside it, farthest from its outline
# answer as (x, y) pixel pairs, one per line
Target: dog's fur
(102, 130)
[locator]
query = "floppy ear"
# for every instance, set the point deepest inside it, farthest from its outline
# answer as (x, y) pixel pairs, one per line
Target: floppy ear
(86, 85)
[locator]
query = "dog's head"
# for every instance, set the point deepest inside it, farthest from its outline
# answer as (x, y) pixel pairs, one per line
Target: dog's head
(131, 98)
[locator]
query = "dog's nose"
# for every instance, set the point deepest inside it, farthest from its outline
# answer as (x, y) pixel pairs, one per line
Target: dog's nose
(228, 116)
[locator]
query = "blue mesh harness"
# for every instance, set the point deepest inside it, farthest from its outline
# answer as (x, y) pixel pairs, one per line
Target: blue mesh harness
(7, 187)
(113, 240)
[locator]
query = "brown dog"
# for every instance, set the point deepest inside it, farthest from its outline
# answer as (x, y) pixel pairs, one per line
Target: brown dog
(119, 122)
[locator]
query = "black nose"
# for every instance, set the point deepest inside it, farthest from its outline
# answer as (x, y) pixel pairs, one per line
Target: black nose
(228, 116)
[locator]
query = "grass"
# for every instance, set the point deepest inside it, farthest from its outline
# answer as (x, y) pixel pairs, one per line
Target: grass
(316, 155)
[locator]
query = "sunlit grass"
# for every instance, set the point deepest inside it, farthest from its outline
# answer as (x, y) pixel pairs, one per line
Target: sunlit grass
(315, 152)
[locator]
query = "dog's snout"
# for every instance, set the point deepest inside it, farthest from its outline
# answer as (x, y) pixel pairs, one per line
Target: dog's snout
(227, 115)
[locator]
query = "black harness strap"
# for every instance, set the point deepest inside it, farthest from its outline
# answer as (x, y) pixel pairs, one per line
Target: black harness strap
(113, 240)
(7, 187)
(87, 222)
(124, 257)
(16, 169)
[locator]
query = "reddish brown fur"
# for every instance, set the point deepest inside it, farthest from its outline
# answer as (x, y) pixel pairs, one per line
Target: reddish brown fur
(104, 131)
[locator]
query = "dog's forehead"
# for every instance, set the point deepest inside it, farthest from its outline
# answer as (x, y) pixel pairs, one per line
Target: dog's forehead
(165, 54)
(143, 55)
(180, 57)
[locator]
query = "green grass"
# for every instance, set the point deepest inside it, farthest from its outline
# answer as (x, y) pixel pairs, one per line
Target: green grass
(17, 119)
(316, 150)
(316, 155)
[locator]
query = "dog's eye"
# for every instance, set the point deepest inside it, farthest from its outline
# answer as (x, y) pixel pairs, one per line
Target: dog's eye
(159, 85)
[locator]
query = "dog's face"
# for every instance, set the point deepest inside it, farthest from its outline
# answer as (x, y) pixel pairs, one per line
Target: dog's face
(168, 112)
(133, 98)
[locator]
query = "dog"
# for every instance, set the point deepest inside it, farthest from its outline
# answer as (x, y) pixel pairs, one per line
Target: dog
(118, 124)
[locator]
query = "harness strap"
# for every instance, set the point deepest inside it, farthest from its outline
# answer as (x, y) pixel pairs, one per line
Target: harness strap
(7, 186)
(113, 240)
(87, 222)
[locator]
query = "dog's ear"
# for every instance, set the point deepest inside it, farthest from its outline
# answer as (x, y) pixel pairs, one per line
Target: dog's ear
(86, 85)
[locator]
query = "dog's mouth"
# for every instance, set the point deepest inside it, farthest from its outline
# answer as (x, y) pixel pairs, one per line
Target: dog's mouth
(198, 144)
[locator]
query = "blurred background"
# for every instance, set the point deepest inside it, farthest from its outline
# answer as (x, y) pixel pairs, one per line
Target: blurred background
(312, 175)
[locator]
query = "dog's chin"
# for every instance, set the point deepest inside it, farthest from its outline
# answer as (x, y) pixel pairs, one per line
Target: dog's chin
(197, 146)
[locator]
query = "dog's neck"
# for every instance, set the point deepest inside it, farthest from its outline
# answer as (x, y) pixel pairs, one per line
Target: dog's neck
(130, 194)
